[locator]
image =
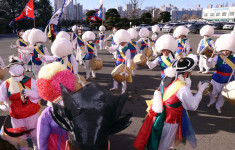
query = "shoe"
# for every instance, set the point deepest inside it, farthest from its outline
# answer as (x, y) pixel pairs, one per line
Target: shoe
(27, 70)
(200, 71)
(94, 77)
(219, 110)
(113, 89)
(209, 105)
(87, 77)
(123, 91)
(205, 72)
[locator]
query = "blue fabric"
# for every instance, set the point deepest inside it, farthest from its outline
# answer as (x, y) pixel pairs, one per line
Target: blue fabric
(69, 59)
(163, 66)
(223, 68)
(180, 46)
(113, 43)
(203, 44)
(143, 45)
(187, 130)
(35, 56)
(90, 53)
(22, 44)
(132, 48)
(80, 42)
(120, 56)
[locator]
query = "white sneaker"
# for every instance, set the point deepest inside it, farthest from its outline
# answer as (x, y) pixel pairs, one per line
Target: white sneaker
(113, 89)
(87, 77)
(200, 71)
(123, 91)
(205, 72)
(219, 110)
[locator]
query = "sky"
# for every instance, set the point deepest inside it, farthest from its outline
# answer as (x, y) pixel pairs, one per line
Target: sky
(94, 4)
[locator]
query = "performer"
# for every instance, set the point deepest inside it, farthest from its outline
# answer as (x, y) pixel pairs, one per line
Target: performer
(80, 47)
(62, 50)
(74, 36)
(166, 46)
(121, 38)
(19, 96)
(133, 47)
(167, 117)
(36, 38)
(144, 34)
(101, 37)
(224, 66)
(181, 33)
(90, 52)
(154, 38)
(49, 134)
(113, 43)
(206, 43)
(2, 66)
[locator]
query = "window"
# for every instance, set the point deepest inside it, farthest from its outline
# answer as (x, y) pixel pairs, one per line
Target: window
(218, 14)
(224, 14)
(231, 13)
(212, 14)
(206, 14)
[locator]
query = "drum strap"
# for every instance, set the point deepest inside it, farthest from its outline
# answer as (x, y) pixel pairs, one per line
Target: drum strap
(180, 41)
(120, 51)
(167, 62)
(206, 44)
(80, 39)
(133, 44)
(229, 62)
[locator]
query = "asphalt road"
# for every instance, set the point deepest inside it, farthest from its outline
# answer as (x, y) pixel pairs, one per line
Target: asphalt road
(213, 131)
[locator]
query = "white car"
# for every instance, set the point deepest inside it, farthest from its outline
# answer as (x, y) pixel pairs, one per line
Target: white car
(143, 26)
(228, 26)
(171, 27)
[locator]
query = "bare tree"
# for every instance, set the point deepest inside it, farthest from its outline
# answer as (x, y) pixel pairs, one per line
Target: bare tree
(185, 17)
(194, 16)
(135, 4)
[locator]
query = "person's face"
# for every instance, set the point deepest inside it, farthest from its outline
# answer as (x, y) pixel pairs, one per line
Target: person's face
(226, 52)
(187, 74)
(165, 52)
(181, 37)
(123, 43)
(206, 36)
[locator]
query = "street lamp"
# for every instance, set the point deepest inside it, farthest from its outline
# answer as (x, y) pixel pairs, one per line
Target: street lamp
(130, 24)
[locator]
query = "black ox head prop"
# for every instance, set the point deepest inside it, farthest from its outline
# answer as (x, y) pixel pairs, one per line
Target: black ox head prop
(90, 116)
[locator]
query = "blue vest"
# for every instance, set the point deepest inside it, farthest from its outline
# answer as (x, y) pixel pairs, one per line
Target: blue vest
(203, 44)
(80, 41)
(223, 71)
(21, 43)
(113, 43)
(163, 66)
(101, 37)
(69, 59)
(181, 47)
(132, 49)
(35, 58)
(143, 45)
(90, 53)
(119, 56)
(74, 35)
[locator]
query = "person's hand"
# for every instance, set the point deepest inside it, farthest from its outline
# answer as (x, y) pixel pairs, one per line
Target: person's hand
(202, 86)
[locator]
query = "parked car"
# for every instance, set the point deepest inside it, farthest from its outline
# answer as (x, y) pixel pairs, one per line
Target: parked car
(143, 26)
(228, 26)
(86, 27)
(195, 27)
(161, 25)
(218, 26)
(171, 27)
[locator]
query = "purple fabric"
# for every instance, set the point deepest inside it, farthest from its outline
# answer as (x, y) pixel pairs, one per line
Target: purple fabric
(46, 126)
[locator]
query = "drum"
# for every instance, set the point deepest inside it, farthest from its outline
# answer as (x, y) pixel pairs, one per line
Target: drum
(96, 64)
(3, 73)
(147, 52)
(119, 72)
(180, 55)
(228, 92)
(207, 52)
(140, 60)
(152, 44)
(78, 85)
(209, 89)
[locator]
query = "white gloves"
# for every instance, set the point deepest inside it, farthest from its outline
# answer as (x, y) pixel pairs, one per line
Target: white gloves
(4, 106)
(33, 95)
(202, 87)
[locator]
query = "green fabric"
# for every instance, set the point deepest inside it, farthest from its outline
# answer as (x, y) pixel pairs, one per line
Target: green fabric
(30, 63)
(176, 105)
(156, 132)
(162, 65)
(221, 61)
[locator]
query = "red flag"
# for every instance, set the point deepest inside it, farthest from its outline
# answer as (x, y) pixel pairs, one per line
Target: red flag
(27, 13)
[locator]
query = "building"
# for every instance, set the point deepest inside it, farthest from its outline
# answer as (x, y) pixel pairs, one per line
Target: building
(177, 14)
(156, 13)
(128, 11)
(168, 8)
(219, 14)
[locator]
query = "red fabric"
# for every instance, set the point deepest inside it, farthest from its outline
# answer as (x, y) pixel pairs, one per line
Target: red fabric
(28, 11)
(133, 51)
(18, 110)
(120, 59)
(38, 59)
(90, 52)
(97, 41)
(162, 72)
(145, 131)
(223, 73)
(180, 48)
(53, 140)
(144, 44)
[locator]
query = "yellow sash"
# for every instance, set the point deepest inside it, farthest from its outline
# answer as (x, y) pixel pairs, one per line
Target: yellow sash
(80, 39)
(91, 47)
(120, 50)
(38, 50)
(206, 44)
(66, 62)
(133, 44)
(181, 43)
(166, 61)
(229, 62)
(49, 32)
(174, 87)
(15, 87)
(21, 40)
(145, 42)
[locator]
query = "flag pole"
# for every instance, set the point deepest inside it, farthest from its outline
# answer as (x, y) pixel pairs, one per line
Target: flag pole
(34, 23)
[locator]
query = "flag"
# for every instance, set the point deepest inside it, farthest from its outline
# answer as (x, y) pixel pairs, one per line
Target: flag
(56, 17)
(27, 13)
(97, 15)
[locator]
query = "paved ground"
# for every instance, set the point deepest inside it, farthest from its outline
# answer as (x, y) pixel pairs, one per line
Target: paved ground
(213, 131)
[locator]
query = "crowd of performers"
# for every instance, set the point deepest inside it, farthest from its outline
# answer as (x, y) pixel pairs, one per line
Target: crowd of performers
(81, 116)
